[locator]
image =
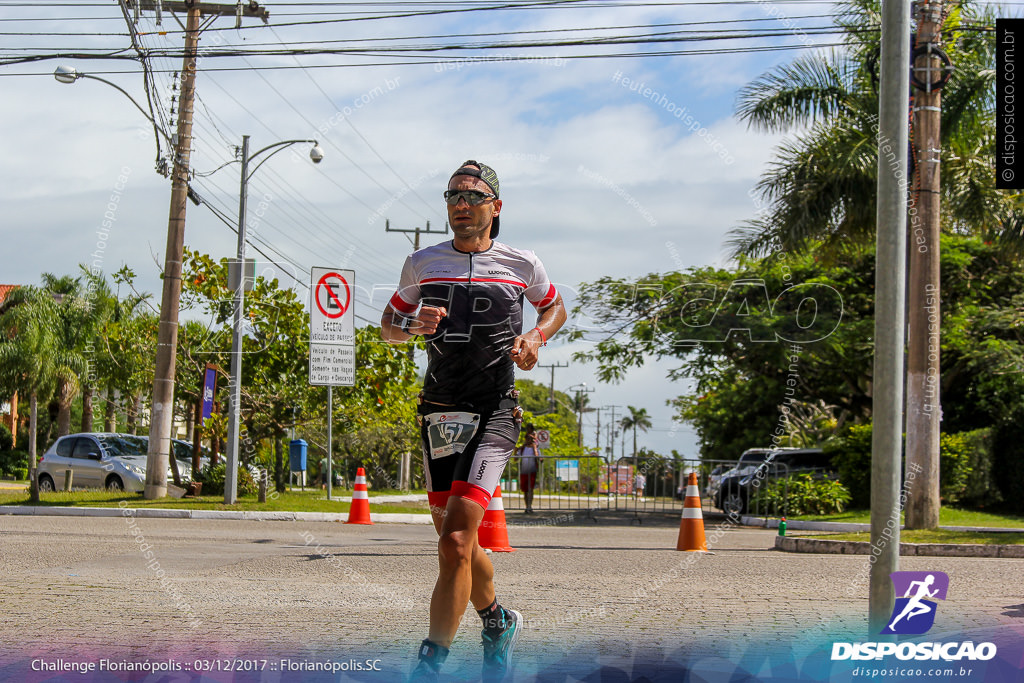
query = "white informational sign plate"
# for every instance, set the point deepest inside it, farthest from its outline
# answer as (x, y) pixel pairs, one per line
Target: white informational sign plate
(568, 470)
(332, 364)
(331, 312)
(332, 341)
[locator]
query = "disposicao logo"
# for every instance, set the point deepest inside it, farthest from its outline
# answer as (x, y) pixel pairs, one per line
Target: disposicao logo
(914, 614)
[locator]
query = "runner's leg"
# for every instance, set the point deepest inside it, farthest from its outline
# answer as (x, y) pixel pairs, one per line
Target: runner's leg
(457, 555)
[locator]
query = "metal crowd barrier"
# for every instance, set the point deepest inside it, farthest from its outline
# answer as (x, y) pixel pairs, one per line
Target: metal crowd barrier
(589, 484)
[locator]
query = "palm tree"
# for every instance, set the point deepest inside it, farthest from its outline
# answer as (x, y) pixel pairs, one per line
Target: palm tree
(101, 306)
(637, 419)
(28, 348)
(74, 325)
(822, 185)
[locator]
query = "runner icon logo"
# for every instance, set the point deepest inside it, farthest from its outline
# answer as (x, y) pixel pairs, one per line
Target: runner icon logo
(916, 593)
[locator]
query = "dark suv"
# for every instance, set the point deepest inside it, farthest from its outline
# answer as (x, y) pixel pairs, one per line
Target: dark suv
(736, 485)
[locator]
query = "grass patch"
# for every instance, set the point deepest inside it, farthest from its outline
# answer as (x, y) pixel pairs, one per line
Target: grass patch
(947, 517)
(310, 500)
(937, 536)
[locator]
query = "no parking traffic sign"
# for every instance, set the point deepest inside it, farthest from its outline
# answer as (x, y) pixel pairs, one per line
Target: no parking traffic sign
(332, 358)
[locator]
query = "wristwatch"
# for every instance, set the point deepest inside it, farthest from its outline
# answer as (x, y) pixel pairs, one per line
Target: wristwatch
(406, 324)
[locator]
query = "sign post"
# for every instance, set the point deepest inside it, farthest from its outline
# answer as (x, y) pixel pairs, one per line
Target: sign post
(332, 339)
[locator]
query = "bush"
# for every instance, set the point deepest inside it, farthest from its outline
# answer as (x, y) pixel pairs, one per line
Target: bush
(10, 461)
(20, 473)
(956, 453)
(851, 456)
(213, 480)
(801, 494)
(965, 466)
(6, 440)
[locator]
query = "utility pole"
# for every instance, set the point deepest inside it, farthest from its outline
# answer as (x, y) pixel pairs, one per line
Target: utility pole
(890, 281)
(417, 230)
(611, 433)
(581, 389)
(551, 396)
(158, 456)
(923, 409)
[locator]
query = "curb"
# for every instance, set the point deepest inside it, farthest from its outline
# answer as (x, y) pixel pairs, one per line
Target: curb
(819, 545)
(247, 515)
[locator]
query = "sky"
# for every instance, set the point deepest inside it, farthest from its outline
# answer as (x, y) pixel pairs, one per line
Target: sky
(609, 165)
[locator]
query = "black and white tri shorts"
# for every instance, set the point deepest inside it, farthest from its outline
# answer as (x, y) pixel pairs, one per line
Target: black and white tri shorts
(486, 444)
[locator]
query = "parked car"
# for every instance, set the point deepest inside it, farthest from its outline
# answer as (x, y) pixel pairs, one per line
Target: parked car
(736, 485)
(748, 462)
(100, 460)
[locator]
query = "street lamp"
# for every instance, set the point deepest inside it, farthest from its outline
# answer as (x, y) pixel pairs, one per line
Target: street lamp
(69, 74)
(316, 154)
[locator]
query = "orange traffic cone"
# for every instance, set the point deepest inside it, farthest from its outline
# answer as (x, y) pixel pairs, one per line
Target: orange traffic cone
(691, 527)
(493, 532)
(359, 512)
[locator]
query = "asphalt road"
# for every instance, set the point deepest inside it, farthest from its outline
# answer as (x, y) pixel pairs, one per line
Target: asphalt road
(192, 591)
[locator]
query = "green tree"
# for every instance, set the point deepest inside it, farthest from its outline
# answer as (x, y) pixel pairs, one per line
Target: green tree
(29, 349)
(751, 370)
(821, 188)
(101, 305)
(637, 419)
(75, 325)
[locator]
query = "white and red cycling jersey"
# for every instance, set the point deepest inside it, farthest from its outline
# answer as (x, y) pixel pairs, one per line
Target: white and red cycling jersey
(468, 361)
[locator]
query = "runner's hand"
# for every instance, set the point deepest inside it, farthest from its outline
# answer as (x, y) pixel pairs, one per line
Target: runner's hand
(427, 320)
(524, 350)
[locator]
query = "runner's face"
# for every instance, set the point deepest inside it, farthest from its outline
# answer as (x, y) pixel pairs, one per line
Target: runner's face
(467, 221)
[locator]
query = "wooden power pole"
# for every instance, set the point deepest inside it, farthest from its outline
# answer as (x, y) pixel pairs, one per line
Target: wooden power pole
(158, 457)
(923, 408)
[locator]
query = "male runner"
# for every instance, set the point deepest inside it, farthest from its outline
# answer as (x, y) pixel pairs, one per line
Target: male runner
(465, 297)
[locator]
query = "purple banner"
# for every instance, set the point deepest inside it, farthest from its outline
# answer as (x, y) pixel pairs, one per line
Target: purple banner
(209, 389)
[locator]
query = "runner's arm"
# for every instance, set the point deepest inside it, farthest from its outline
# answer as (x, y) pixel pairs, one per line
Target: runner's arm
(424, 321)
(526, 346)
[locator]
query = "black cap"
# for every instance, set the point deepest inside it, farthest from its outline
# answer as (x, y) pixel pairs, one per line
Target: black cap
(486, 174)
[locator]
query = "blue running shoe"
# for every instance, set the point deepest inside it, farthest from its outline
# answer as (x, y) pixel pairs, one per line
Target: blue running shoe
(498, 650)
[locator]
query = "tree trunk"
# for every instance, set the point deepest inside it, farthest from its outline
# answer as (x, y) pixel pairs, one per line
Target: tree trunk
(33, 423)
(110, 412)
(87, 408)
(279, 470)
(66, 392)
(197, 446)
(133, 414)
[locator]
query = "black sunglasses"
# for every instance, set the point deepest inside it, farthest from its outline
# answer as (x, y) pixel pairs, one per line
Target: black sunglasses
(472, 197)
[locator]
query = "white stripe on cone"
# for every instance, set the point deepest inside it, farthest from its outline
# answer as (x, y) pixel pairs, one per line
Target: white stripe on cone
(362, 480)
(357, 495)
(495, 504)
(692, 513)
(691, 491)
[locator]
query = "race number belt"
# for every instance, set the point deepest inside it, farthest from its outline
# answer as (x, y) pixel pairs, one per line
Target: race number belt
(450, 432)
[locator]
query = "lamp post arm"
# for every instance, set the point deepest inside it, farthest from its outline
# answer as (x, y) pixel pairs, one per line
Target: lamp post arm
(277, 147)
(66, 74)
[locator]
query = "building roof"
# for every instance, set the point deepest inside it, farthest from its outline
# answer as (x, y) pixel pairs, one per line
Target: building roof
(5, 290)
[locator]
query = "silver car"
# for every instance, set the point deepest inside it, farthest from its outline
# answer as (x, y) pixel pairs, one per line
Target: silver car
(99, 460)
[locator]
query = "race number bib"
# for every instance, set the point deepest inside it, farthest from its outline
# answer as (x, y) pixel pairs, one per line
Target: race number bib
(450, 433)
